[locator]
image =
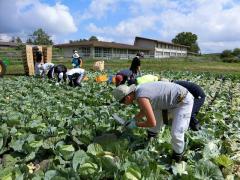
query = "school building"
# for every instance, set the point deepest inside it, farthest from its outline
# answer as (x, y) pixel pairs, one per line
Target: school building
(112, 50)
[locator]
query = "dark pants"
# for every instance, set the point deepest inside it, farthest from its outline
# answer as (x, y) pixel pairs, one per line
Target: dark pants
(196, 107)
(50, 73)
(199, 98)
(61, 69)
(73, 80)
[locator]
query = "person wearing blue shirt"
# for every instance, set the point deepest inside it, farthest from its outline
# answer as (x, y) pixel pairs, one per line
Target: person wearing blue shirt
(76, 60)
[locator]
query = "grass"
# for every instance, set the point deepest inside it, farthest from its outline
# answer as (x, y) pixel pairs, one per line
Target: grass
(195, 64)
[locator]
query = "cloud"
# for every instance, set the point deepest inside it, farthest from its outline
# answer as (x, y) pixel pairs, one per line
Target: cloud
(210, 46)
(126, 29)
(29, 15)
(5, 37)
(102, 38)
(99, 9)
(215, 22)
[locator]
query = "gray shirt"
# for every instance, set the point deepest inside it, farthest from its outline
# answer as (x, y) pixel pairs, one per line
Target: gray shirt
(162, 95)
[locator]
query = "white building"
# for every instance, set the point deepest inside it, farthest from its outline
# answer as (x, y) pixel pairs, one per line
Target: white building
(161, 49)
(111, 50)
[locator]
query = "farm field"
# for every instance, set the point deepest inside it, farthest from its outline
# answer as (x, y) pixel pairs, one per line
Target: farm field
(60, 132)
(193, 64)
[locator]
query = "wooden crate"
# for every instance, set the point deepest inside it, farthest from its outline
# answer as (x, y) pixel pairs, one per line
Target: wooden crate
(28, 62)
(29, 57)
(47, 54)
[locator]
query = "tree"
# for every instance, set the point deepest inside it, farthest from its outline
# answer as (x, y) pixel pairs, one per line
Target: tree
(187, 39)
(236, 52)
(13, 39)
(18, 40)
(40, 37)
(93, 38)
(226, 54)
(76, 41)
(29, 41)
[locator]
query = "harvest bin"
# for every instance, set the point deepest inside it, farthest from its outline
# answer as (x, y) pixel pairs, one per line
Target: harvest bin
(29, 57)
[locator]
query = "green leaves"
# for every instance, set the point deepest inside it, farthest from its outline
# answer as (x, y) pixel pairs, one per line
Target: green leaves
(211, 150)
(79, 158)
(132, 173)
(66, 151)
(94, 149)
(70, 133)
(180, 168)
(223, 160)
(207, 170)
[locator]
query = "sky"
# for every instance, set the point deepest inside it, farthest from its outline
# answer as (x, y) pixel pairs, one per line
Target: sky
(215, 22)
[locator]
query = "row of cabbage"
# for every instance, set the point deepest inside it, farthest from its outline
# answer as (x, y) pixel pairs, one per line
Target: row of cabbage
(60, 132)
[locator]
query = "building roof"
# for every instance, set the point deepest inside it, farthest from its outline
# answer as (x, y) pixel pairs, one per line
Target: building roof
(11, 44)
(148, 39)
(102, 44)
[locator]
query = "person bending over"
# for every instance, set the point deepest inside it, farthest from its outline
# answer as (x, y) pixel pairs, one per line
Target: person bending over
(152, 98)
(75, 76)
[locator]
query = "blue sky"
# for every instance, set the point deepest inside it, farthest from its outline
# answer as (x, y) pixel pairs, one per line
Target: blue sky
(216, 22)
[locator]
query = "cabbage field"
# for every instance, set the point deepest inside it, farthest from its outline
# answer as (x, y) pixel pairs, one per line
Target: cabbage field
(60, 132)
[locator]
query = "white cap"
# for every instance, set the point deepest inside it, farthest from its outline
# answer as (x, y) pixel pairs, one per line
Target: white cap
(75, 55)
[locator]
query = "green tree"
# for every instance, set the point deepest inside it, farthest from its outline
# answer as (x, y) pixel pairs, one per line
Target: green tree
(40, 37)
(236, 52)
(13, 39)
(29, 41)
(187, 39)
(93, 38)
(226, 54)
(18, 40)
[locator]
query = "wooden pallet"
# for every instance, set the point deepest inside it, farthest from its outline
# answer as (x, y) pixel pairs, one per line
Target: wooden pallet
(29, 57)
(28, 63)
(47, 54)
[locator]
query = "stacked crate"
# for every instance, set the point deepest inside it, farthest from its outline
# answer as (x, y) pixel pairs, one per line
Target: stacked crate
(47, 54)
(29, 57)
(28, 63)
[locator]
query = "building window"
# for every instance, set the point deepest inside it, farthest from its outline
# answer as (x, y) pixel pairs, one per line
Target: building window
(85, 52)
(98, 52)
(107, 52)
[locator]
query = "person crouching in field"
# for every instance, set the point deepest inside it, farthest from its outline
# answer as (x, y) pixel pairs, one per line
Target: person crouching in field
(126, 75)
(152, 98)
(123, 76)
(194, 89)
(46, 69)
(60, 70)
(199, 98)
(75, 76)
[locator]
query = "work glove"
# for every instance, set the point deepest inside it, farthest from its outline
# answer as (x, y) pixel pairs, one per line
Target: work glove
(130, 124)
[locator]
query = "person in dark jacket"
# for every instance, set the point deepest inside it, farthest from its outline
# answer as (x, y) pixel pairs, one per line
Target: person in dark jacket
(61, 71)
(38, 61)
(125, 75)
(136, 63)
(39, 56)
